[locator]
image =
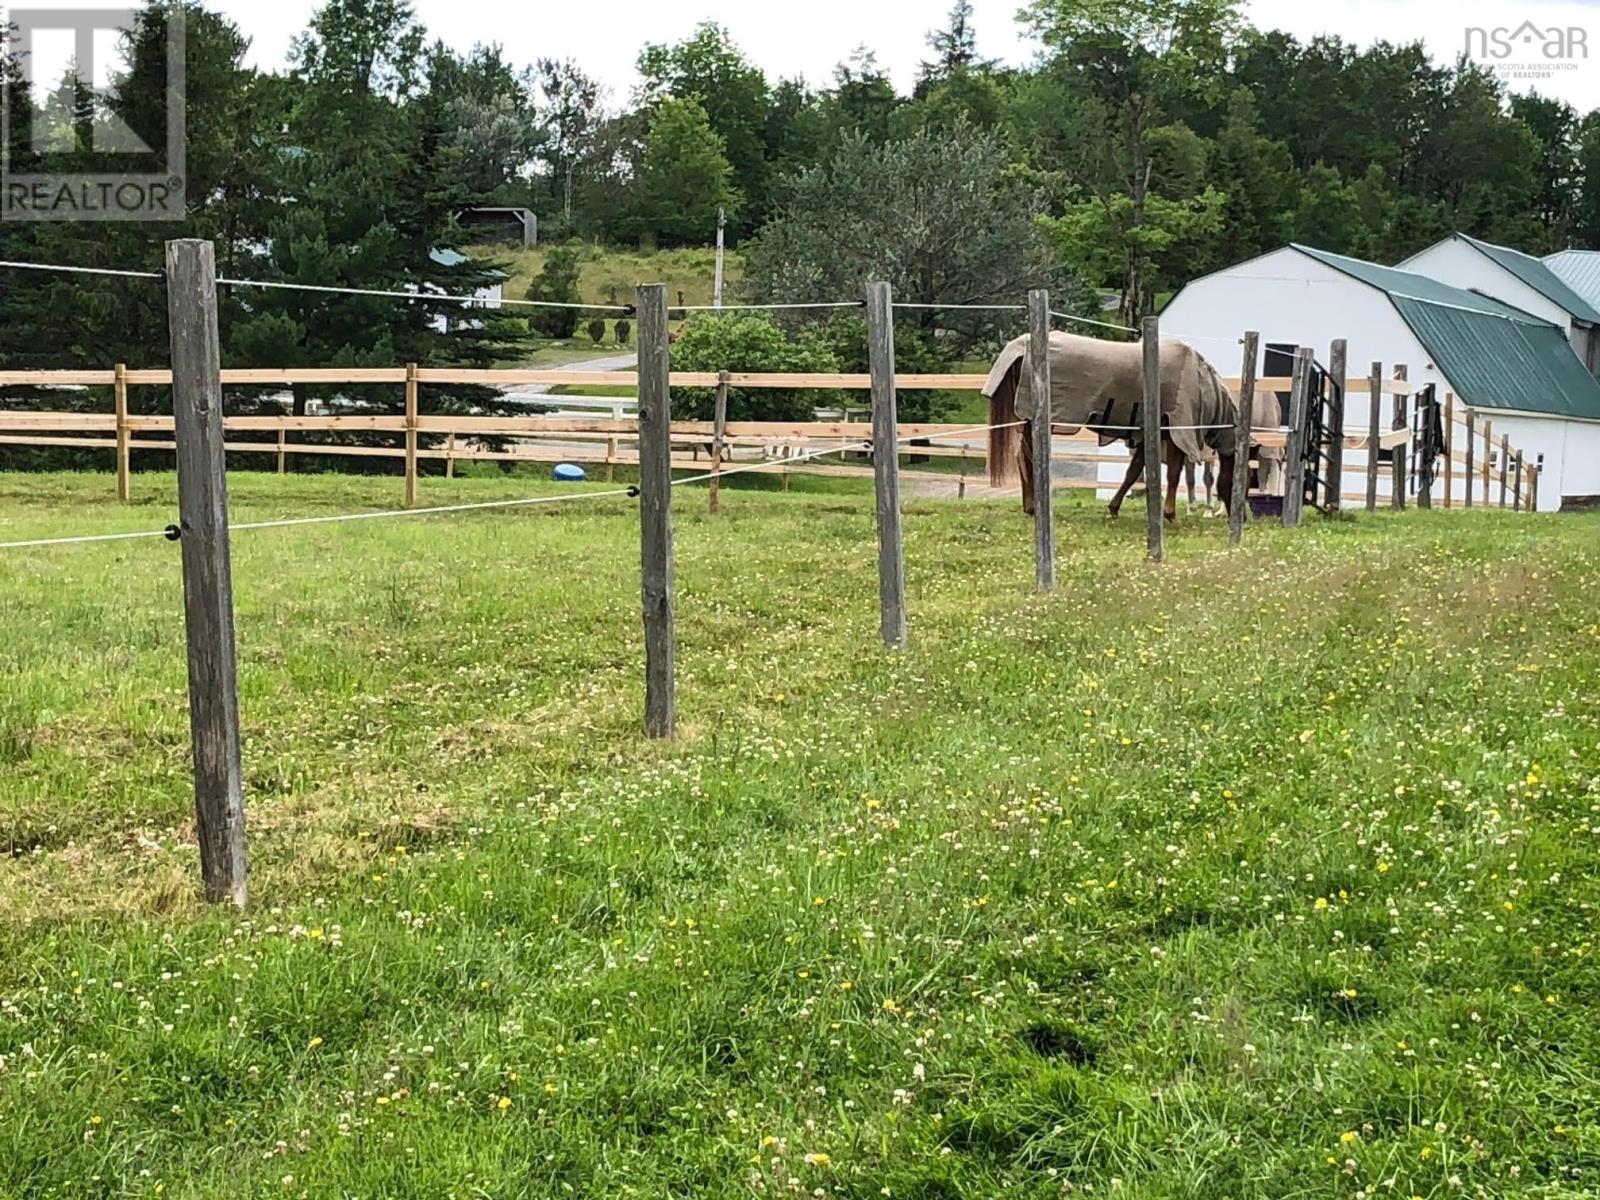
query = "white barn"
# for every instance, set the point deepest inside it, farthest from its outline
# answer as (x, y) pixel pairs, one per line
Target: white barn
(1519, 280)
(1502, 362)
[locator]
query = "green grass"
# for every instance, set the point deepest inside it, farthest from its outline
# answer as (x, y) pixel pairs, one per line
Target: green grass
(1259, 873)
(610, 275)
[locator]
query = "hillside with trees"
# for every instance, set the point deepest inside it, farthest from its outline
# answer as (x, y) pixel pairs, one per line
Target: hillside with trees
(1149, 141)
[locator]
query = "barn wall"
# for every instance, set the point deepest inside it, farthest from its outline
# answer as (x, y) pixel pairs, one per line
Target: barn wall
(1289, 297)
(1458, 264)
(1571, 452)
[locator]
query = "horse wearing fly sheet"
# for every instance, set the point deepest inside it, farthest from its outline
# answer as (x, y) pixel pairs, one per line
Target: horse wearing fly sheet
(1099, 386)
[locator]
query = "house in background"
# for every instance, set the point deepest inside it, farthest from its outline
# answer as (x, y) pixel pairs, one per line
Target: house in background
(1502, 362)
(1517, 279)
(489, 296)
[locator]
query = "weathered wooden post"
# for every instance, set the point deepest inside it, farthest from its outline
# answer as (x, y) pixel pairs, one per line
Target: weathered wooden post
(450, 457)
(411, 435)
(207, 568)
(1150, 434)
(886, 466)
(1338, 355)
(1044, 522)
(1294, 486)
(120, 389)
(1449, 449)
(1397, 457)
(1516, 485)
(655, 514)
(1374, 434)
(1534, 471)
(1505, 462)
(283, 449)
(719, 431)
(1241, 438)
(1467, 473)
(1488, 457)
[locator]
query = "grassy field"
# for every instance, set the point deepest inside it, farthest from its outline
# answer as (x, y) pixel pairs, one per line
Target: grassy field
(609, 275)
(1264, 873)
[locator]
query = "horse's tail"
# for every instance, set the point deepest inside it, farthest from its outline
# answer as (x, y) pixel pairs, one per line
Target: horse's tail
(1006, 444)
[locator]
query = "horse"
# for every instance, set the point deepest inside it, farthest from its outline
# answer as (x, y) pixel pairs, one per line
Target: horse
(1099, 385)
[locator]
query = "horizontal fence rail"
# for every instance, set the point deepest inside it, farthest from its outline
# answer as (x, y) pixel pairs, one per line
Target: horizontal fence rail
(613, 441)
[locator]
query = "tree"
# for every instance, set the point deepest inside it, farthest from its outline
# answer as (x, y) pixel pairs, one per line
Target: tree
(1133, 58)
(937, 215)
(1555, 125)
(684, 176)
(571, 110)
(557, 281)
(486, 114)
(863, 100)
(709, 69)
(751, 341)
(955, 49)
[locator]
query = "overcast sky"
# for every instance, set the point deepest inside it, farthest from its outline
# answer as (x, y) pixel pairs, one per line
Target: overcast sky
(808, 38)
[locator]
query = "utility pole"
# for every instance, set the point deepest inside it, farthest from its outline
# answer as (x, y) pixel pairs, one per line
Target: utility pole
(716, 287)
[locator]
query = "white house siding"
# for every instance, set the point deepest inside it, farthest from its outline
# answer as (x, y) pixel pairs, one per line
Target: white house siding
(1571, 452)
(1460, 265)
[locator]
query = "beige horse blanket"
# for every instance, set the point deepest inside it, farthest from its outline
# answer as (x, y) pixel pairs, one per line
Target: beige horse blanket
(1100, 385)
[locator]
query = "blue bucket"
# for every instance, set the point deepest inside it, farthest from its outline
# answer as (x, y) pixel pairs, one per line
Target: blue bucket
(569, 473)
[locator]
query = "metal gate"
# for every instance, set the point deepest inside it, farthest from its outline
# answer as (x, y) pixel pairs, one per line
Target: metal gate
(1427, 443)
(1319, 487)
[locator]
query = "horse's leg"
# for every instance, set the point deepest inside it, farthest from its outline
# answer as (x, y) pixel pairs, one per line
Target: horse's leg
(1135, 469)
(1188, 478)
(1175, 461)
(1211, 483)
(1225, 481)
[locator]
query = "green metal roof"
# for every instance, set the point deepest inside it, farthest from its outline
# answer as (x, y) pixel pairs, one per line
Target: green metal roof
(1493, 362)
(1408, 283)
(1579, 270)
(1495, 356)
(1537, 275)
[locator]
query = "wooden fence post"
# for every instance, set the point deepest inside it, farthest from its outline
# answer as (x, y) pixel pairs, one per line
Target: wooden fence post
(450, 457)
(283, 450)
(1467, 472)
(120, 389)
(1241, 439)
(1488, 456)
(719, 431)
(1397, 457)
(1044, 523)
(1505, 462)
(1338, 365)
(1449, 449)
(886, 466)
(1294, 487)
(411, 435)
(1534, 471)
(207, 569)
(1516, 485)
(655, 514)
(1150, 413)
(1374, 434)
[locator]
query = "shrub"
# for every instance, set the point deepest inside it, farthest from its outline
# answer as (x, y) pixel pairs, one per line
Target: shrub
(624, 331)
(597, 329)
(557, 281)
(751, 342)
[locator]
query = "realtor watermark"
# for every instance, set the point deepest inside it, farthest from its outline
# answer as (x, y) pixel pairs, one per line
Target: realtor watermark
(66, 153)
(1527, 51)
